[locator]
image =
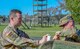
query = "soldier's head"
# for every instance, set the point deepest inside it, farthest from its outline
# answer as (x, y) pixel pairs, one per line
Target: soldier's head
(16, 17)
(67, 20)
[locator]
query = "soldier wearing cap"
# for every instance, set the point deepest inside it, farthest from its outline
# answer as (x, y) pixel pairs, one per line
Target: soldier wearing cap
(68, 31)
(14, 38)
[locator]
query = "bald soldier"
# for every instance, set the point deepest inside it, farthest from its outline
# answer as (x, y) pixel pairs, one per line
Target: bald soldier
(14, 38)
(68, 32)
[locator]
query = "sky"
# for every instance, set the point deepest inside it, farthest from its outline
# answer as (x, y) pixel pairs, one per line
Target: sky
(25, 6)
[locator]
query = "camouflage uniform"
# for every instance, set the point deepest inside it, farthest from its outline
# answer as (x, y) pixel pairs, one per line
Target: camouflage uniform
(69, 34)
(16, 39)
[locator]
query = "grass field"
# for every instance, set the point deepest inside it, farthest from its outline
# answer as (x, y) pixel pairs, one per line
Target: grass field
(38, 31)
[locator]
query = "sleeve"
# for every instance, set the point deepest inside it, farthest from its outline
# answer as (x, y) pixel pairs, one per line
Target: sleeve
(20, 41)
(62, 34)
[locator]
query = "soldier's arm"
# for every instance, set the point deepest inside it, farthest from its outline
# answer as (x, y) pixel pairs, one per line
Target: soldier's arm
(57, 35)
(20, 41)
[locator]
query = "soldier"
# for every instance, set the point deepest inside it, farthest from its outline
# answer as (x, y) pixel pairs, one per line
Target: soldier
(68, 31)
(13, 38)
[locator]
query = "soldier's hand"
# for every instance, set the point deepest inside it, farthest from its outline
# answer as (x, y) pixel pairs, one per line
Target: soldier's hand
(43, 40)
(57, 35)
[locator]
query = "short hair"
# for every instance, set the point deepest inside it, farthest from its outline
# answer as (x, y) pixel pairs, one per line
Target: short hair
(14, 11)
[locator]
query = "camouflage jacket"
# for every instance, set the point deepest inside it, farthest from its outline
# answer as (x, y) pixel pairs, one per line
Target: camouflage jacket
(16, 39)
(71, 33)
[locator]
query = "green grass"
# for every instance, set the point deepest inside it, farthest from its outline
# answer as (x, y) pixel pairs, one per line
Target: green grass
(2, 27)
(39, 31)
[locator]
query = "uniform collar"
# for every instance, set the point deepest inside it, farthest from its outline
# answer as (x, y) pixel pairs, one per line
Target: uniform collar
(12, 27)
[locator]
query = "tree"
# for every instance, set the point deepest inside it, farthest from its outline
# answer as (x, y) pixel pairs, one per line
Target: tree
(58, 10)
(74, 7)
